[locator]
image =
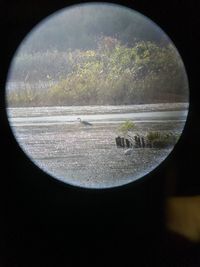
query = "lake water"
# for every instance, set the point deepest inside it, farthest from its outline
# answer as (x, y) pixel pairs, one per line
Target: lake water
(87, 156)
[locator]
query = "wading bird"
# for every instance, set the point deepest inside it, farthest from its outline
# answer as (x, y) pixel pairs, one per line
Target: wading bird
(128, 151)
(86, 123)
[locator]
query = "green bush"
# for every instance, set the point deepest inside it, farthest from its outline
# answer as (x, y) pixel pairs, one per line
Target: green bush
(161, 140)
(127, 126)
(152, 136)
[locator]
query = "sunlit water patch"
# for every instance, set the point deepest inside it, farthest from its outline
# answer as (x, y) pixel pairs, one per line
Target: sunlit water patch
(88, 156)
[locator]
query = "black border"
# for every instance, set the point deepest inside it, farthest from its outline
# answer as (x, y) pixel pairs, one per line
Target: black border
(48, 223)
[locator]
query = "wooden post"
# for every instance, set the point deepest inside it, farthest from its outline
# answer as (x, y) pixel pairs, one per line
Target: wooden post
(118, 141)
(122, 142)
(127, 143)
(136, 142)
(139, 141)
(143, 142)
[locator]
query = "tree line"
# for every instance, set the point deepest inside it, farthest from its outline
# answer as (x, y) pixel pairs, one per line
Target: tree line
(111, 74)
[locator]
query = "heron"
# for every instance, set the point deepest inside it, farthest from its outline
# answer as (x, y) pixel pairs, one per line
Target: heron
(128, 151)
(86, 123)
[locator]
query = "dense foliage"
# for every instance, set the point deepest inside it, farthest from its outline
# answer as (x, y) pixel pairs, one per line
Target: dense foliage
(96, 54)
(111, 74)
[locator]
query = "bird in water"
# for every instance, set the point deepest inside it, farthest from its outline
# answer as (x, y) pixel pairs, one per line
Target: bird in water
(86, 123)
(128, 151)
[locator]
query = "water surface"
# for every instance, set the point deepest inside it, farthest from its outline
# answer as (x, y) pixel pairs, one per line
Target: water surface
(87, 156)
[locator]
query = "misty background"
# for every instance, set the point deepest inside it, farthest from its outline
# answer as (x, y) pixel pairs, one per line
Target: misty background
(96, 55)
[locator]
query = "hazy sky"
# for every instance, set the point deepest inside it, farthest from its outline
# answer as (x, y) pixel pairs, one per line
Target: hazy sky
(80, 25)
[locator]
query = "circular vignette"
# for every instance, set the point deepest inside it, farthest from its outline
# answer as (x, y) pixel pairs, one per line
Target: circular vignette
(97, 101)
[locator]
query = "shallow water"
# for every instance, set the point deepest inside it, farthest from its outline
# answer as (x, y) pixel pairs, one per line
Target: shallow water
(87, 156)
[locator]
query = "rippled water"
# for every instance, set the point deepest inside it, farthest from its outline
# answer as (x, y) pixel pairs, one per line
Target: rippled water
(87, 156)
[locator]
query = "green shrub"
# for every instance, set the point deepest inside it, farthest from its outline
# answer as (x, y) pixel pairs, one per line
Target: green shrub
(127, 126)
(152, 136)
(161, 140)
